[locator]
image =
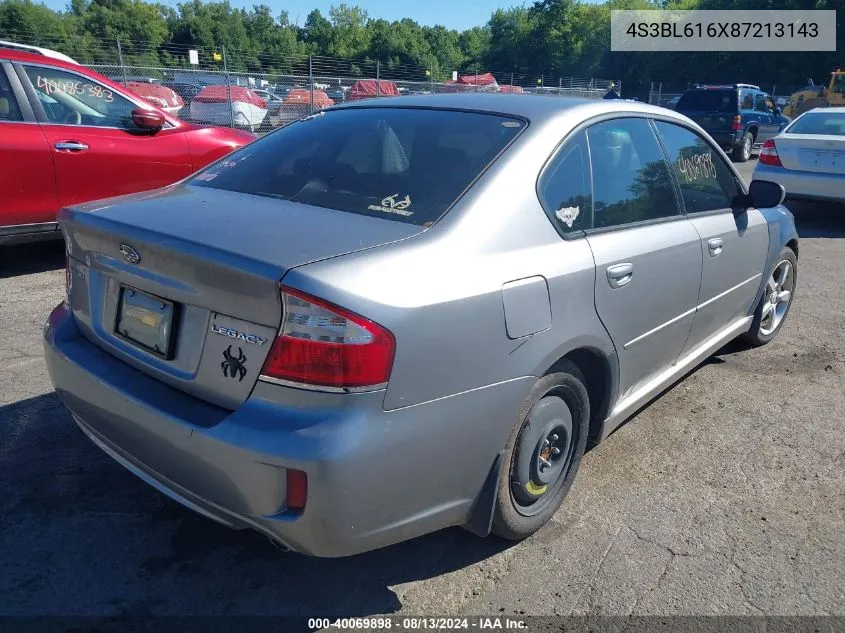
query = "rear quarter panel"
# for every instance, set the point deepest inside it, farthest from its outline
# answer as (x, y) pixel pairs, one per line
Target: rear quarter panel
(441, 293)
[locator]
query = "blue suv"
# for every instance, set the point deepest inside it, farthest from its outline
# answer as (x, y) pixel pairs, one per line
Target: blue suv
(739, 117)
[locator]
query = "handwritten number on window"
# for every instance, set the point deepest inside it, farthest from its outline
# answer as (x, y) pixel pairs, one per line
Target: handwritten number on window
(697, 166)
(73, 88)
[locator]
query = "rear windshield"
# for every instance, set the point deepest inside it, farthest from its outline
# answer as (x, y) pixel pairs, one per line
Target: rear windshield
(708, 100)
(830, 123)
(404, 164)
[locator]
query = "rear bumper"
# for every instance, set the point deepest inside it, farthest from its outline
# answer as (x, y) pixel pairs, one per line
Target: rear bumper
(804, 185)
(374, 477)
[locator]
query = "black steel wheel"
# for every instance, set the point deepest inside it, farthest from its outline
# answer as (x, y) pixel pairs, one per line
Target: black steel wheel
(543, 454)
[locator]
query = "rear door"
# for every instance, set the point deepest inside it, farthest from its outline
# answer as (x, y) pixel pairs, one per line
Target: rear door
(733, 246)
(97, 150)
(28, 201)
(647, 253)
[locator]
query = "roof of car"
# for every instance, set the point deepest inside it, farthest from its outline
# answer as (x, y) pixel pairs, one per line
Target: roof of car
(36, 50)
(531, 107)
(835, 110)
(36, 58)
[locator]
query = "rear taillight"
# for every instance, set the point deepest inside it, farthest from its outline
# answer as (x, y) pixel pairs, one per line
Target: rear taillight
(769, 154)
(323, 345)
(737, 122)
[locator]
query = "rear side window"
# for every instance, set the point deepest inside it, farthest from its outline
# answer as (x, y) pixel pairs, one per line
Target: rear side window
(707, 183)
(709, 101)
(565, 187)
(747, 100)
(402, 164)
(631, 180)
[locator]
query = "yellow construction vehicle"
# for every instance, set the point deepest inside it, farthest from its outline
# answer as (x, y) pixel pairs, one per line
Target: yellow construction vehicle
(818, 96)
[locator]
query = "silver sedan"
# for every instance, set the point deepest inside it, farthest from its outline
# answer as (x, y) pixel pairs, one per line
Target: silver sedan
(808, 158)
(401, 315)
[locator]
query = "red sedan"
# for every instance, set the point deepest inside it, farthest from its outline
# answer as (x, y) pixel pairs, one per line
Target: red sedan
(69, 135)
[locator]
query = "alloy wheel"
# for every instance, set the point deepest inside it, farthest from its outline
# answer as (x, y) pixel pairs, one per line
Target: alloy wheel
(778, 294)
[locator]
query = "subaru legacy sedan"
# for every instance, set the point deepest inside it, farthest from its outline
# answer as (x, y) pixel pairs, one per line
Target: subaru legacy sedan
(389, 318)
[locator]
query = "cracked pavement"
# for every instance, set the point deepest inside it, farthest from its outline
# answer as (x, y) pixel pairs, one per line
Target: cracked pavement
(725, 496)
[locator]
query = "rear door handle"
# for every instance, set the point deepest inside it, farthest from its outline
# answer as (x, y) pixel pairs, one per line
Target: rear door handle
(715, 245)
(620, 275)
(71, 146)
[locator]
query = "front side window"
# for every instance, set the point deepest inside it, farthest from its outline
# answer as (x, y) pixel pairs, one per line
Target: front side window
(760, 103)
(706, 182)
(71, 99)
(402, 164)
(9, 110)
(631, 180)
(565, 187)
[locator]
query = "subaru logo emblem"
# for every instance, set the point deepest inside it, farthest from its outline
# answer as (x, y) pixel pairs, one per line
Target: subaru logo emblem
(129, 254)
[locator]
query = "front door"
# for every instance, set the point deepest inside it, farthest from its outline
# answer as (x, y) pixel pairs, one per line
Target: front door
(733, 246)
(98, 151)
(766, 116)
(647, 254)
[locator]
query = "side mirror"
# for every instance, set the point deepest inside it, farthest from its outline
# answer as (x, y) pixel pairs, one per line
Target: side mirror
(148, 119)
(764, 194)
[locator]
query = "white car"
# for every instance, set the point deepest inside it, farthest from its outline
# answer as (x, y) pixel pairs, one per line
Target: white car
(808, 157)
(235, 106)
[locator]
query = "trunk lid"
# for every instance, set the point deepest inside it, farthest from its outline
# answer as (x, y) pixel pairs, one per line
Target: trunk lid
(206, 279)
(819, 153)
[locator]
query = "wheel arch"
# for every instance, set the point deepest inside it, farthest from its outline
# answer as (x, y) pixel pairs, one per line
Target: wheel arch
(600, 369)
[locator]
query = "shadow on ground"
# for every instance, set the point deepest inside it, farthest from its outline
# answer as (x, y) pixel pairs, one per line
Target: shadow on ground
(818, 219)
(28, 259)
(77, 519)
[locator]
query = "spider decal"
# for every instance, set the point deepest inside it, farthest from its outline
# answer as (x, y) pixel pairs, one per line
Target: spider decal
(233, 366)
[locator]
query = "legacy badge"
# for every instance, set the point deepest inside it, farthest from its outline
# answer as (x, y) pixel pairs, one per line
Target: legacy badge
(241, 336)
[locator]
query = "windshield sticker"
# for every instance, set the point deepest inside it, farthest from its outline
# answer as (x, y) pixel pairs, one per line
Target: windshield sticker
(568, 215)
(697, 166)
(391, 205)
(74, 88)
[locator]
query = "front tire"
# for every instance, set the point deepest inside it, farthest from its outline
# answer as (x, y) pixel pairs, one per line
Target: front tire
(776, 301)
(543, 454)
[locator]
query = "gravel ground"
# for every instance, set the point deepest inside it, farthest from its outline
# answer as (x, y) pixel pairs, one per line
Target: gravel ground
(724, 496)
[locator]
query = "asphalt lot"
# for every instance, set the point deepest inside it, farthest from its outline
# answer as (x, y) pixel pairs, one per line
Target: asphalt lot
(724, 496)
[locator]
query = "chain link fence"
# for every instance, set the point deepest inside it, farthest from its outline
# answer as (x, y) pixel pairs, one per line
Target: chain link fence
(263, 90)
(261, 101)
